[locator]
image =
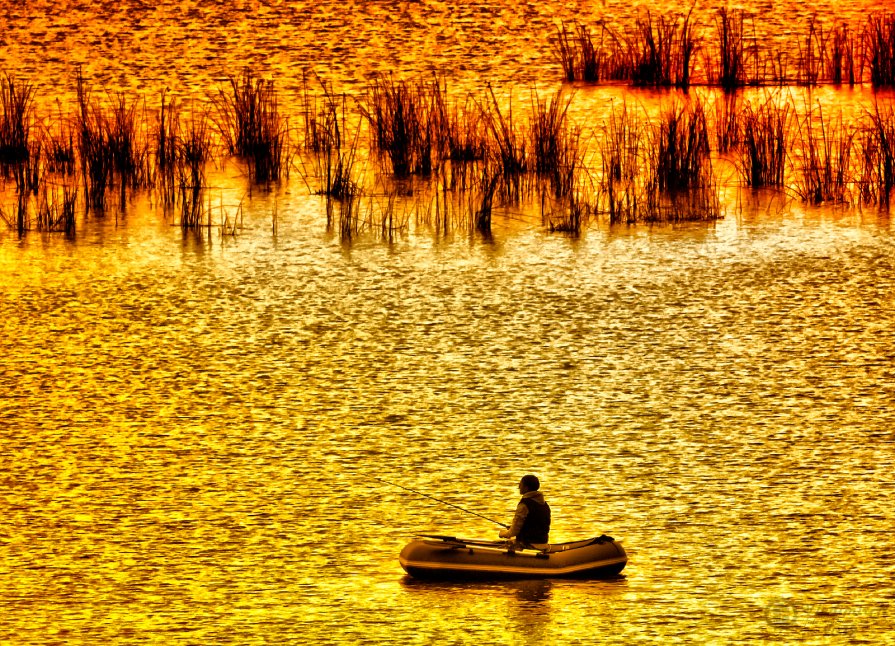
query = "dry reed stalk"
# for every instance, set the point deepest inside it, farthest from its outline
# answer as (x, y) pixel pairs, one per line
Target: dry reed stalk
(323, 126)
(810, 59)
(566, 52)
(481, 216)
(339, 170)
(326, 138)
(631, 200)
(166, 133)
(29, 175)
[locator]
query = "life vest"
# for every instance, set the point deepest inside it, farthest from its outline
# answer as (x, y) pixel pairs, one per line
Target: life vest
(537, 523)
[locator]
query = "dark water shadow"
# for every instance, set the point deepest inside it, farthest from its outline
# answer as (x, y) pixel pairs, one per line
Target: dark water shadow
(533, 590)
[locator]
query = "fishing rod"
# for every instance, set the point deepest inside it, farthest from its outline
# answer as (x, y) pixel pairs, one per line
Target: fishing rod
(443, 502)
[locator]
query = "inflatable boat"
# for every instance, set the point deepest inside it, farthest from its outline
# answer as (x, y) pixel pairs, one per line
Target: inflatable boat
(448, 557)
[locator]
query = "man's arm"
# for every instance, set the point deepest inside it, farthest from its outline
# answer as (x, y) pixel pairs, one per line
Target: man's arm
(518, 521)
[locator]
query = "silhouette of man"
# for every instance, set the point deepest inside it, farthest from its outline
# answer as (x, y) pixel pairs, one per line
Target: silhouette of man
(531, 524)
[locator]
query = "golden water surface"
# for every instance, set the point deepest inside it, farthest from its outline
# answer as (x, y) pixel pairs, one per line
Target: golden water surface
(190, 424)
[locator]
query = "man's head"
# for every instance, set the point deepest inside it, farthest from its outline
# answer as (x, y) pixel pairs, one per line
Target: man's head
(529, 483)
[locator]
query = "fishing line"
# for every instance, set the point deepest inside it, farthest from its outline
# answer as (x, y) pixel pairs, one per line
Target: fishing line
(443, 502)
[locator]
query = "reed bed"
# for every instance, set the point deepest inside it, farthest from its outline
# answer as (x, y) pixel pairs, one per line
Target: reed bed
(770, 68)
(473, 156)
(326, 138)
(96, 164)
(623, 196)
(555, 149)
(401, 118)
(823, 167)
(662, 51)
(321, 111)
(96, 153)
(192, 152)
(250, 124)
(470, 211)
(344, 216)
(463, 140)
(681, 148)
(461, 130)
(681, 167)
(56, 208)
(181, 153)
(338, 171)
(388, 221)
(659, 51)
(876, 174)
(16, 120)
(765, 144)
(481, 216)
(189, 204)
(58, 147)
(879, 44)
(810, 58)
(657, 172)
(127, 146)
(631, 200)
(622, 145)
(51, 208)
(196, 213)
(580, 58)
(548, 134)
(508, 149)
(27, 160)
(29, 174)
(568, 214)
(166, 136)
(729, 70)
(654, 53)
(842, 58)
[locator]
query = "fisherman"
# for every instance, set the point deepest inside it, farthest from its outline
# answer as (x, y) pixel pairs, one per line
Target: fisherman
(531, 524)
